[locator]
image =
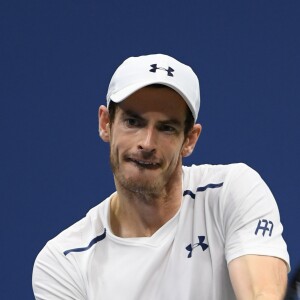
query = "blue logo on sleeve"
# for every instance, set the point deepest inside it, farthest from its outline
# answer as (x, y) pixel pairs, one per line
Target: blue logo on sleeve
(264, 225)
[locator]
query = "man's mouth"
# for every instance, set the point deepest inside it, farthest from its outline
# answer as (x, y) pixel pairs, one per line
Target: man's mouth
(144, 163)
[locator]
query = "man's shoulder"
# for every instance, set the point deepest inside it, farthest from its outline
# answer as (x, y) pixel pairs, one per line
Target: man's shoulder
(81, 233)
(207, 173)
(55, 258)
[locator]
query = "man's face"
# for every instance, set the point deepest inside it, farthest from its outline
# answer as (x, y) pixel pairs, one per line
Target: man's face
(146, 140)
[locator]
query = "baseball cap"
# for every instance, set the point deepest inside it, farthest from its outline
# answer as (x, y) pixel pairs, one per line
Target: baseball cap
(137, 72)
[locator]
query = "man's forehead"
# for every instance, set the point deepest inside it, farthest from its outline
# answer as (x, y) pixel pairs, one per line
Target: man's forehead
(155, 99)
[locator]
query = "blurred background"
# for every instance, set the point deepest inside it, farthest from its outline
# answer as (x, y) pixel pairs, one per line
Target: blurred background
(56, 61)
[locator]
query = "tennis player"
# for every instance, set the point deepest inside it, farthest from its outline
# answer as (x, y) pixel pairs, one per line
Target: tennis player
(207, 232)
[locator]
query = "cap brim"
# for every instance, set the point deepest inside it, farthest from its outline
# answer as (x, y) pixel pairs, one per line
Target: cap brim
(129, 90)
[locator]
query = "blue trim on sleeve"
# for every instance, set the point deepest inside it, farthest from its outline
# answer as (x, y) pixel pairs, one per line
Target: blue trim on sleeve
(92, 242)
(202, 189)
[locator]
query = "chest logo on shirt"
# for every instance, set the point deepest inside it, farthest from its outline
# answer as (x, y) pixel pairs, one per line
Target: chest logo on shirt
(264, 225)
(201, 243)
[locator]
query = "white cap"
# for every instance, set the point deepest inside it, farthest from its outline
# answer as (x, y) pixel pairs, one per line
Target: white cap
(137, 72)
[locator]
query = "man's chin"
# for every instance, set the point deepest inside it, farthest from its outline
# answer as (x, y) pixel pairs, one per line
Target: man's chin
(136, 184)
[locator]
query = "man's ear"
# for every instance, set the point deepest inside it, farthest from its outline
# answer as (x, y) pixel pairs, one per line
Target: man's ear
(191, 140)
(104, 128)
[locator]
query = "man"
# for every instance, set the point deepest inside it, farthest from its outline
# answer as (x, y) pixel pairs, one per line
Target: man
(169, 231)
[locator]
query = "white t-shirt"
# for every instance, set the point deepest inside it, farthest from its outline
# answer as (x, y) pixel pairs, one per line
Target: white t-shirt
(227, 211)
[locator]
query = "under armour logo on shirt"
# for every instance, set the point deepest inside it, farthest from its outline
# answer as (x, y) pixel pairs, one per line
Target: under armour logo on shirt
(201, 243)
(155, 67)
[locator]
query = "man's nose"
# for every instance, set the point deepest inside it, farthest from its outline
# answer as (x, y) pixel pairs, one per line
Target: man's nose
(148, 140)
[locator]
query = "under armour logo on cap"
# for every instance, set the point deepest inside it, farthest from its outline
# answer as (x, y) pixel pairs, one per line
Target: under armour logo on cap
(155, 67)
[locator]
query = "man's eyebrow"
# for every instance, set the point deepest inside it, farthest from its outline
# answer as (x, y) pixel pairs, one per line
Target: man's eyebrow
(132, 114)
(174, 122)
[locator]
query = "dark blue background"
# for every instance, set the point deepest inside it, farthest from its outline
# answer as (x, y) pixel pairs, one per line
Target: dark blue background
(56, 60)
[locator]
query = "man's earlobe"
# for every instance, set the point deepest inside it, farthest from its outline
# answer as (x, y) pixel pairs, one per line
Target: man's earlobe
(191, 140)
(188, 148)
(104, 135)
(104, 128)
(187, 151)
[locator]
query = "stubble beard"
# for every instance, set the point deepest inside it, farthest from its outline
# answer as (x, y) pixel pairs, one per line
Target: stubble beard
(145, 188)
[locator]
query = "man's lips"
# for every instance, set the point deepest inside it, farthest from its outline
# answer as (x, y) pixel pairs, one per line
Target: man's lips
(144, 163)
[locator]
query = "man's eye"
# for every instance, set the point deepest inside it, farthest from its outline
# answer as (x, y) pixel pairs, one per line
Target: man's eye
(132, 122)
(167, 128)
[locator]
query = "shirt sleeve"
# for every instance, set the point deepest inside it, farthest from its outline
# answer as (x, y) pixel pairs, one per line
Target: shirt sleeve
(251, 217)
(55, 276)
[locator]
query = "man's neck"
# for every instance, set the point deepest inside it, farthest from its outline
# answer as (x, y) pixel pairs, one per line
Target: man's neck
(138, 215)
